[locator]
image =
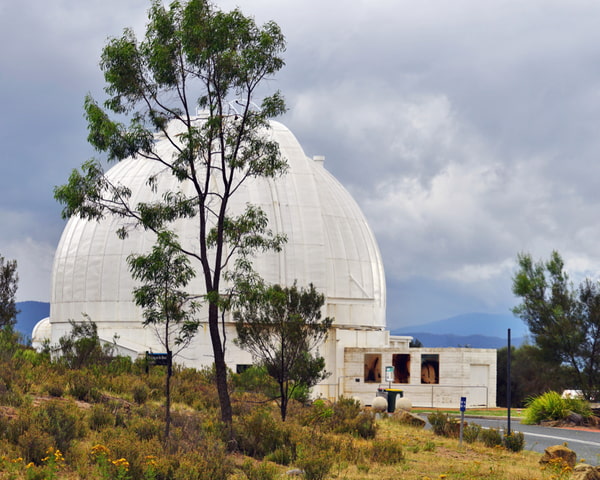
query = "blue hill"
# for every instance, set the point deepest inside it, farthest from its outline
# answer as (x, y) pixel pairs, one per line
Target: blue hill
(477, 330)
(30, 314)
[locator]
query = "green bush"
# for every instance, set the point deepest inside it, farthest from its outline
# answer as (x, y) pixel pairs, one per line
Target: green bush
(261, 432)
(551, 406)
(141, 392)
(514, 442)
(62, 420)
(490, 437)
(83, 386)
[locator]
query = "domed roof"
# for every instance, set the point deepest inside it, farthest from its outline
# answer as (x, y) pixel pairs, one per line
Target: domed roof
(329, 243)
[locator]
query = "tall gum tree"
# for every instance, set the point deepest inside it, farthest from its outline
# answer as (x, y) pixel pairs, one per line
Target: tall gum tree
(192, 57)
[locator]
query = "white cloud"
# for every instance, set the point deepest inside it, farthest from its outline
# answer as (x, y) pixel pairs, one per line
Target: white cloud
(34, 267)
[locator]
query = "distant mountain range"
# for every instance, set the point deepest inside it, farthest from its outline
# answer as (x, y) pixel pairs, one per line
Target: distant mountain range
(30, 314)
(476, 330)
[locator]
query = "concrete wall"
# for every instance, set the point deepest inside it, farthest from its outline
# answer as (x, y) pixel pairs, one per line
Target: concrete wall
(461, 372)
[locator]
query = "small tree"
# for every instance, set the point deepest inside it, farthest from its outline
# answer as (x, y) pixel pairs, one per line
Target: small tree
(9, 280)
(82, 347)
(281, 327)
(167, 307)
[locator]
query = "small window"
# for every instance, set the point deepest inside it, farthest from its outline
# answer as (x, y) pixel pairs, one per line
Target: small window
(372, 368)
(401, 362)
(430, 368)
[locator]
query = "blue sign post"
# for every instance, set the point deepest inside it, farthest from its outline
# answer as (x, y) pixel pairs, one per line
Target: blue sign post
(463, 407)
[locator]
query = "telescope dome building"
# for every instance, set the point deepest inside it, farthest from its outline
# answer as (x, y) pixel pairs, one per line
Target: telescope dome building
(329, 244)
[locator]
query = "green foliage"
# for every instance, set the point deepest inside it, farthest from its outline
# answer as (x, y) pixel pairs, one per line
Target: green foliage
(490, 437)
(82, 347)
(100, 417)
(9, 280)
(533, 372)
(563, 320)
(281, 327)
(259, 471)
(62, 420)
(315, 459)
(83, 386)
(259, 433)
(192, 55)
(551, 406)
(256, 379)
(515, 442)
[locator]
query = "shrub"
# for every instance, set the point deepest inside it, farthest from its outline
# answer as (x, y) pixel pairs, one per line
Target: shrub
(490, 437)
(314, 460)
(260, 433)
(209, 462)
(259, 471)
(471, 432)
(140, 393)
(82, 386)
(282, 455)
(551, 406)
(387, 452)
(514, 442)
(99, 417)
(443, 424)
(34, 444)
(60, 419)
(255, 379)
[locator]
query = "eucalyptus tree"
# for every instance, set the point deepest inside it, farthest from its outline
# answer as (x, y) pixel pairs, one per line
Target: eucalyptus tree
(9, 280)
(282, 329)
(564, 320)
(164, 274)
(193, 56)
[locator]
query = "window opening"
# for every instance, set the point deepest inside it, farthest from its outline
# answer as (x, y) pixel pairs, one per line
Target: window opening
(430, 368)
(401, 363)
(372, 368)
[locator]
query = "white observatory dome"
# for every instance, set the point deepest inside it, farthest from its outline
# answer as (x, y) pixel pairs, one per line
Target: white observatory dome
(328, 243)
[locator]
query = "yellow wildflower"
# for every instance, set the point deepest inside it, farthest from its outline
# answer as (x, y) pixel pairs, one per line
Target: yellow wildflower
(121, 463)
(100, 449)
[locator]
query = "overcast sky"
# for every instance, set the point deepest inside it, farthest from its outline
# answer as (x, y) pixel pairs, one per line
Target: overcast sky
(466, 130)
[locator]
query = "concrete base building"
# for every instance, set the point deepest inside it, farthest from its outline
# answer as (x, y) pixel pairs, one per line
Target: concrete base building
(329, 244)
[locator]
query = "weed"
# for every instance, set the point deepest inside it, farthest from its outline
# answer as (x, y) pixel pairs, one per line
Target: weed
(471, 432)
(514, 442)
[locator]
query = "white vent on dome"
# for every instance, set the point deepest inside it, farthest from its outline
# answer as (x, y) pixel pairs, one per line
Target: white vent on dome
(320, 159)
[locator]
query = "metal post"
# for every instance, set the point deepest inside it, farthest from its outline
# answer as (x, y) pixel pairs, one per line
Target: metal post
(508, 393)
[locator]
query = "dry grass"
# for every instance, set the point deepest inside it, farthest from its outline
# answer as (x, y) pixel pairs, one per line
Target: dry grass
(432, 457)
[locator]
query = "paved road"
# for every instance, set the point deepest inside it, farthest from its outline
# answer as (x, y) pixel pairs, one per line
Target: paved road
(585, 443)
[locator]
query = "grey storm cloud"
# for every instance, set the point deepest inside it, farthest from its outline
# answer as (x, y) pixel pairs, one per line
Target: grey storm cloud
(465, 130)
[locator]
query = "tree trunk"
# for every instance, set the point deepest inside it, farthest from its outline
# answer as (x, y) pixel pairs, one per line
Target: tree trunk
(220, 366)
(168, 398)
